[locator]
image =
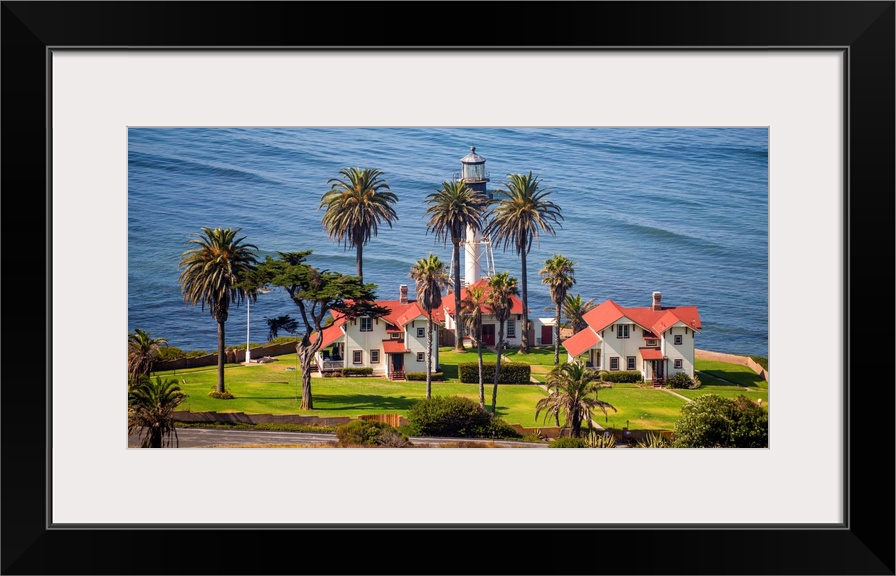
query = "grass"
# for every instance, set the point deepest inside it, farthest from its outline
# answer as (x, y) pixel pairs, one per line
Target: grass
(538, 355)
(275, 389)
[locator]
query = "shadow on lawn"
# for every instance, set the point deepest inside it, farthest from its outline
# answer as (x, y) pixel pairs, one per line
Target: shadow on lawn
(726, 378)
(363, 401)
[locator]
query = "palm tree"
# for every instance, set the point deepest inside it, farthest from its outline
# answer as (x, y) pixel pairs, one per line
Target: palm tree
(570, 386)
(472, 305)
(430, 277)
(150, 411)
(211, 276)
(516, 220)
(453, 210)
(501, 287)
(355, 206)
(574, 310)
(143, 350)
(558, 275)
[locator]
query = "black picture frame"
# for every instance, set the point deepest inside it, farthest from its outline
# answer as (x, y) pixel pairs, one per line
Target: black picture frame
(864, 544)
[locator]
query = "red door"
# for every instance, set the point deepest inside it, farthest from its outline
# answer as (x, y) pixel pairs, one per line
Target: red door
(488, 334)
(547, 335)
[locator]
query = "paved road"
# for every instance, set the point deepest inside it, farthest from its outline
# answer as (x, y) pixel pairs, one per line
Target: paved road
(208, 437)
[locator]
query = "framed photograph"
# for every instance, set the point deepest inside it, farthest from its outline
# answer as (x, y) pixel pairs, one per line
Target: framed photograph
(818, 77)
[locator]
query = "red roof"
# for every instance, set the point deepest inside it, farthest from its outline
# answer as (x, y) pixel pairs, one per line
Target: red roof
(657, 321)
(516, 306)
(651, 353)
(331, 333)
(581, 341)
(394, 347)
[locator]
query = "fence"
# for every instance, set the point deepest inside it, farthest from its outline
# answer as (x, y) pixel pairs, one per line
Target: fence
(235, 357)
(733, 359)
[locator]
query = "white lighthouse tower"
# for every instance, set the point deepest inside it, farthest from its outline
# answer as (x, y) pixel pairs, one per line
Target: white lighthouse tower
(475, 247)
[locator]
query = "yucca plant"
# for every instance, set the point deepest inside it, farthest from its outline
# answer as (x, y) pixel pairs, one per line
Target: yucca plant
(596, 439)
(653, 440)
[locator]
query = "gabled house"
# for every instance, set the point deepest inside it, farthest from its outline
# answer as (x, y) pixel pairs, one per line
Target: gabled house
(656, 340)
(391, 345)
(513, 327)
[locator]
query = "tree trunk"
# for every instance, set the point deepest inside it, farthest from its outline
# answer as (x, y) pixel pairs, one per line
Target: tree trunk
(481, 383)
(524, 343)
(459, 321)
(557, 336)
(497, 367)
(359, 260)
(429, 355)
(306, 350)
(220, 387)
(155, 437)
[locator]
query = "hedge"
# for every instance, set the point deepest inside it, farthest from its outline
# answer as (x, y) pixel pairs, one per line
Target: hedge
(368, 371)
(511, 373)
(621, 376)
(421, 376)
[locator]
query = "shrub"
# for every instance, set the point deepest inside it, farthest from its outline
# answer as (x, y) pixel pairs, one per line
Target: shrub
(621, 376)
(711, 421)
(369, 433)
(333, 374)
(653, 440)
(175, 353)
(359, 371)
(568, 442)
(221, 395)
(452, 416)
(498, 428)
(510, 373)
(679, 380)
(597, 439)
(421, 376)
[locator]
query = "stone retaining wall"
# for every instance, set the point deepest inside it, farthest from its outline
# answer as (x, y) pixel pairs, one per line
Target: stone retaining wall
(732, 359)
(237, 356)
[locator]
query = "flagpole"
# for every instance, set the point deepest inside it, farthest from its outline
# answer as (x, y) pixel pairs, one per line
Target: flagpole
(247, 328)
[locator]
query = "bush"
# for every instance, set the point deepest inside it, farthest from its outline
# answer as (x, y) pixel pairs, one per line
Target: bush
(711, 421)
(175, 353)
(621, 376)
(221, 395)
(568, 442)
(359, 371)
(452, 416)
(498, 428)
(333, 374)
(597, 439)
(510, 373)
(369, 433)
(421, 376)
(679, 380)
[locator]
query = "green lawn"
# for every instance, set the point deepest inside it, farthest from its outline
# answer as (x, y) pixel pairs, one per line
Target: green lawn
(541, 355)
(275, 388)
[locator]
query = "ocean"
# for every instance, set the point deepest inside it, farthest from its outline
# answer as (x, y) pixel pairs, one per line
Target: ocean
(681, 211)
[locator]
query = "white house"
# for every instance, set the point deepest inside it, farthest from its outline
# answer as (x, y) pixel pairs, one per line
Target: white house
(656, 340)
(513, 327)
(392, 344)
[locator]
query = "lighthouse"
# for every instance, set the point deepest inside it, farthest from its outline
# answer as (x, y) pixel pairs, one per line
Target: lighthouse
(474, 176)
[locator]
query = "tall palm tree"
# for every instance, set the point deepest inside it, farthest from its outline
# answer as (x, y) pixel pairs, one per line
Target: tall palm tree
(516, 220)
(430, 277)
(501, 287)
(452, 210)
(212, 272)
(558, 275)
(574, 310)
(472, 305)
(570, 386)
(356, 204)
(151, 405)
(143, 350)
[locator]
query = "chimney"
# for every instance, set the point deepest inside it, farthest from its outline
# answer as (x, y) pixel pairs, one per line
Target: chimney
(403, 293)
(656, 301)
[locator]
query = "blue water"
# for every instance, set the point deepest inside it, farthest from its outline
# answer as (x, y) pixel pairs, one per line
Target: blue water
(680, 211)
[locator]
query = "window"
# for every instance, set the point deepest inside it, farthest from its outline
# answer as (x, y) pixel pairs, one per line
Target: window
(396, 335)
(596, 355)
(421, 332)
(421, 356)
(650, 342)
(622, 331)
(678, 339)
(356, 357)
(366, 324)
(374, 356)
(630, 363)
(677, 363)
(511, 328)
(614, 363)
